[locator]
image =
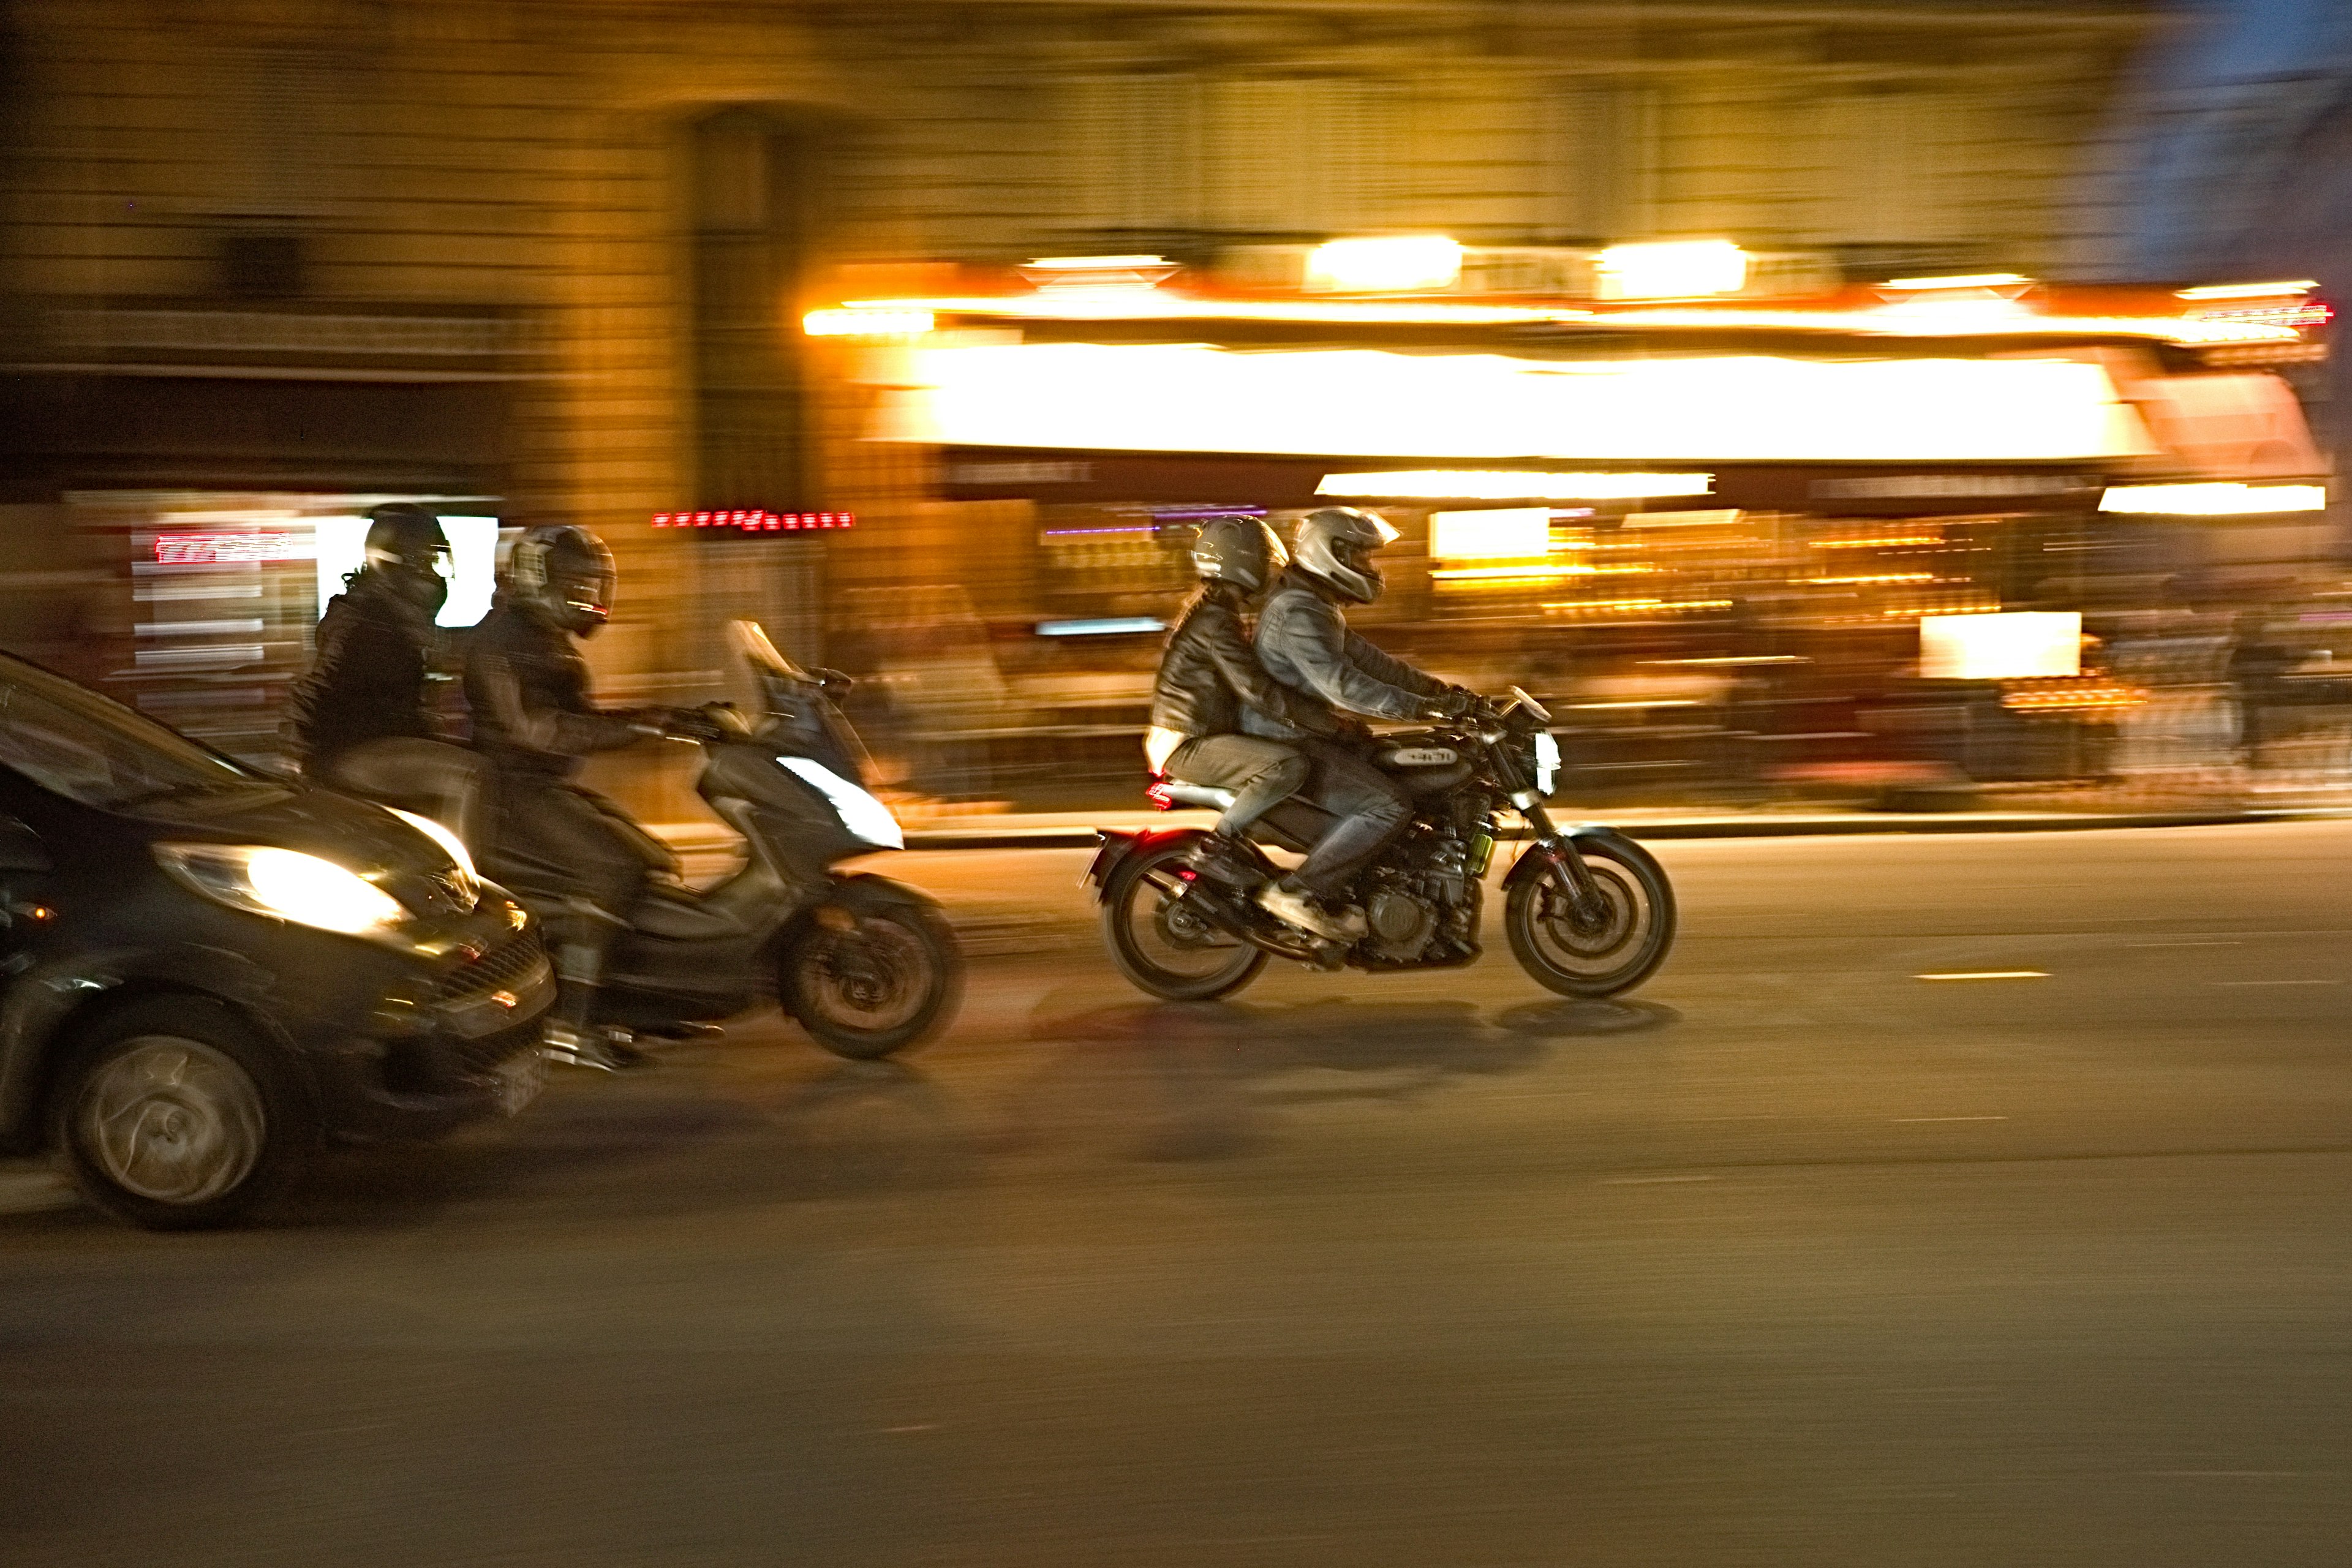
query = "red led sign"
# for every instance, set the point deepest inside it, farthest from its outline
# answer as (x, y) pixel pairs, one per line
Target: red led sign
(745, 520)
(230, 549)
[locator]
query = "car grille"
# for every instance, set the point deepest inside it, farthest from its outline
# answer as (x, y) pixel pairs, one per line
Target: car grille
(497, 970)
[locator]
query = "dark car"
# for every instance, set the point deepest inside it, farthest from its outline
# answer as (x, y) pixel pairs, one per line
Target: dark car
(206, 971)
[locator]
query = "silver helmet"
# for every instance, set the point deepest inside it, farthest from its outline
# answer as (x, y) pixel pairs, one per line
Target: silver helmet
(1242, 550)
(1335, 547)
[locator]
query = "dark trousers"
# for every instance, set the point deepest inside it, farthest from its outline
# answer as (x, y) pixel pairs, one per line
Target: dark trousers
(430, 777)
(1372, 809)
(1261, 774)
(574, 860)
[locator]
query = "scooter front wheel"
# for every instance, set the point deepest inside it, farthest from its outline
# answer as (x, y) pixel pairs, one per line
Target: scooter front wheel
(871, 981)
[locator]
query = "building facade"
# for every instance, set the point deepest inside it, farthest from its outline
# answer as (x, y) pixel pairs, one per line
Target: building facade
(263, 261)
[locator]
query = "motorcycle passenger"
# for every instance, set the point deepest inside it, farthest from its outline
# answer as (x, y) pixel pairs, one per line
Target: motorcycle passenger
(572, 857)
(359, 717)
(1208, 676)
(1304, 642)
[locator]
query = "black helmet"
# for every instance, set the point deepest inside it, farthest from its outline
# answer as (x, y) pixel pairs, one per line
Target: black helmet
(1335, 546)
(564, 575)
(406, 545)
(1238, 550)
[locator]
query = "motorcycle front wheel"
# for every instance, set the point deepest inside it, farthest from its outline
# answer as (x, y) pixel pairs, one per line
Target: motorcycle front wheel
(874, 983)
(1160, 942)
(1611, 945)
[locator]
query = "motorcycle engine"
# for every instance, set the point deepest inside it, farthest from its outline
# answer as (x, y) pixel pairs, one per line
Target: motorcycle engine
(1423, 906)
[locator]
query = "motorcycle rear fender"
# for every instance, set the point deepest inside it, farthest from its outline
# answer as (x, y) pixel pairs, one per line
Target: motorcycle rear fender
(1119, 845)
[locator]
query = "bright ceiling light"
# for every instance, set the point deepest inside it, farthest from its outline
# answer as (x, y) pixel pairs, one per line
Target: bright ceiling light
(1676, 269)
(2212, 500)
(1513, 533)
(2248, 290)
(1964, 281)
(1100, 272)
(858, 321)
(1403, 265)
(1482, 484)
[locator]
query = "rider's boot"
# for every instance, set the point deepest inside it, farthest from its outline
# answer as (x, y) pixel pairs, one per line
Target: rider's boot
(1295, 906)
(572, 1036)
(1227, 860)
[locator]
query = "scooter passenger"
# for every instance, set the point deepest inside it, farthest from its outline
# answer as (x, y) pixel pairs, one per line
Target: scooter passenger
(572, 857)
(1208, 676)
(359, 717)
(1303, 643)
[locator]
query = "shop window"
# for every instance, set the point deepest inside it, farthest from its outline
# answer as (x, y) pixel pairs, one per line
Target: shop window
(755, 214)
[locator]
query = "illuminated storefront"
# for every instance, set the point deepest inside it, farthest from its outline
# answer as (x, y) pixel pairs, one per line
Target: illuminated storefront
(1689, 515)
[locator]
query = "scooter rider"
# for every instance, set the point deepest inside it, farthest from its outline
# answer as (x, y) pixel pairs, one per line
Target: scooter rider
(572, 856)
(1304, 642)
(1208, 676)
(358, 719)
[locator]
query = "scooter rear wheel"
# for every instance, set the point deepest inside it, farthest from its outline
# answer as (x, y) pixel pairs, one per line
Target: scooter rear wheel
(1163, 945)
(876, 986)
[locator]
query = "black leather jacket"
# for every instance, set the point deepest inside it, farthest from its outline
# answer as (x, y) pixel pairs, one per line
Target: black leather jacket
(1208, 676)
(528, 688)
(1304, 642)
(366, 680)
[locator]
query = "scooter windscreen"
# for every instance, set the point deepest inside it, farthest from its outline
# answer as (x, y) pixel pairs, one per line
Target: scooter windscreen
(802, 715)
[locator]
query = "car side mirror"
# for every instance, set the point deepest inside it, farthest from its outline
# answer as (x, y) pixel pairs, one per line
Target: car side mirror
(21, 848)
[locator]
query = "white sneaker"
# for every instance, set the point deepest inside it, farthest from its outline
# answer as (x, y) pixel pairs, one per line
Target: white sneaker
(1298, 909)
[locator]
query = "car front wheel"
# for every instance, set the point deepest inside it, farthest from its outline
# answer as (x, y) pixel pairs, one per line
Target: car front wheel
(171, 1114)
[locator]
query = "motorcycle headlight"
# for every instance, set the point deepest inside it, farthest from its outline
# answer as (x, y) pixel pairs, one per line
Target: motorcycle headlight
(1546, 762)
(867, 818)
(286, 884)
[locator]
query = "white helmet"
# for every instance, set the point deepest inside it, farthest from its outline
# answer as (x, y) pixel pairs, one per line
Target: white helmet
(1335, 546)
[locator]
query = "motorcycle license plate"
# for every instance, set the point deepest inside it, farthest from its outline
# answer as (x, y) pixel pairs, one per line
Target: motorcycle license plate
(518, 1082)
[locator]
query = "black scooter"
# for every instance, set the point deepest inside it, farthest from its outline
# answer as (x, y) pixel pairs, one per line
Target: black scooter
(870, 966)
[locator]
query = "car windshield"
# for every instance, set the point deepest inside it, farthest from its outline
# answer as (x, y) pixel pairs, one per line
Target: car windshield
(97, 752)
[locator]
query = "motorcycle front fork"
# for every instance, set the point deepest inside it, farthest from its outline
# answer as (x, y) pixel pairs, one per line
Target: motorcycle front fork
(1562, 864)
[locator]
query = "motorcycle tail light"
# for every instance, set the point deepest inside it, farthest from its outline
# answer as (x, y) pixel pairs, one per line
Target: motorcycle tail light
(1155, 792)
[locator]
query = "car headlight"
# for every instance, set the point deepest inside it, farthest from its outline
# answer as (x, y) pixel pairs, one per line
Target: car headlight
(468, 881)
(867, 819)
(1546, 762)
(263, 880)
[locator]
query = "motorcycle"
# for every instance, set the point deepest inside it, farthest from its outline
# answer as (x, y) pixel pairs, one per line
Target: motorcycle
(868, 966)
(1589, 912)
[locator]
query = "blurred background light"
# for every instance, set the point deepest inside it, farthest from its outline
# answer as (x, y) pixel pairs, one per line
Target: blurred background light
(862, 321)
(2249, 290)
(1676, 269)
(1404, 264)
(1480, 484)
(2218, 499)
(1964, 280)
(1514, 533)
(2015, 645)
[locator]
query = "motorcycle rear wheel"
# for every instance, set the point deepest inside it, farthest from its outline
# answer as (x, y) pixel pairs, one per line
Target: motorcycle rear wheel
(1160, 944)
(1603, 951)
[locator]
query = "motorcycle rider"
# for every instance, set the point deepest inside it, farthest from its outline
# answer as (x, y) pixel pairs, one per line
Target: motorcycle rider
(570, 855)
(1208, 676)
(359, 720)
(1303, 643)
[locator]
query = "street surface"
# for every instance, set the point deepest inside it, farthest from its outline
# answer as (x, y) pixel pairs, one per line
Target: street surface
(1793, 1258)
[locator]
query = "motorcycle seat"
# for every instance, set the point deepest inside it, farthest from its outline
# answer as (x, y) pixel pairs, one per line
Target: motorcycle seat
(677, 914)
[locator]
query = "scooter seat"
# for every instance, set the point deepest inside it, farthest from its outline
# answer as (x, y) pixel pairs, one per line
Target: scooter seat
(1207, 797)
(677, 914)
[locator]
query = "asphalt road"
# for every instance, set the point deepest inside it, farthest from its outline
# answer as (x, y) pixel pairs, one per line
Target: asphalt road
(1796, 1257)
